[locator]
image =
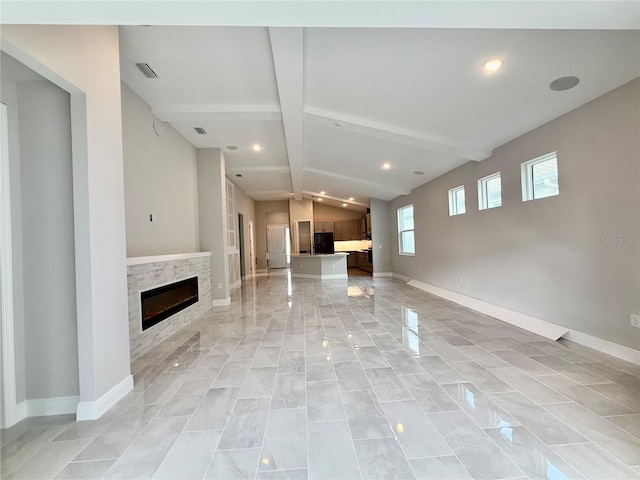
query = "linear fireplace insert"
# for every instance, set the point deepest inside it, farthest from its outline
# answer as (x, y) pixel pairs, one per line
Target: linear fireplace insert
(160, 303)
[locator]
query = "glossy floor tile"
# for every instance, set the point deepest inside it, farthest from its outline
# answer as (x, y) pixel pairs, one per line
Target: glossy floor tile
(358, 379)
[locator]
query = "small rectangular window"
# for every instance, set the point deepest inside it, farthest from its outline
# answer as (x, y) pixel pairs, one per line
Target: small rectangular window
(406, 239)
(490, 192)
(456, 201)
(540, 177)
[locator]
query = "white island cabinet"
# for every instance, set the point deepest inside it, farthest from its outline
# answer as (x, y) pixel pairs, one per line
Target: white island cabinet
(322, 266)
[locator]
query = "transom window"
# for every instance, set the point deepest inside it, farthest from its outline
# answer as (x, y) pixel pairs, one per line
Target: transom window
(456, 201)
(406, 239)
(490, 192)
(540, 177)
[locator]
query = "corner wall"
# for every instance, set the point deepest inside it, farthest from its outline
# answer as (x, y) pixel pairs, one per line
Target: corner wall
(571, 259)
(84, 61)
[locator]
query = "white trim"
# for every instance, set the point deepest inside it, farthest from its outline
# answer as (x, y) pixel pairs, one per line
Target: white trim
(382, 274)
(10, 414)
(165, 258)
(604, 346)
(38, 407)
(526, 322)
(221, 302)
(400, 277)
(95, 409)
(262, 270)
(335, 276)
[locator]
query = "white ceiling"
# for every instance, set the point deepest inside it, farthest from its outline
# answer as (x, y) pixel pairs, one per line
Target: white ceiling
(415, 96)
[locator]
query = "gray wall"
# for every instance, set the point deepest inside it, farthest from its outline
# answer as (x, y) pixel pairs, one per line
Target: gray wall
(51, 343)
(247, 207)
(159, 179)
(12, 72)
(563, 259)
(381, 235)
(213, 217)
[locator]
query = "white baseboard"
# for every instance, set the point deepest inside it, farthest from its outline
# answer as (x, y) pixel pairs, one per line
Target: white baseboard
(94, 410)
(262, 270)
(38, 407)
(335, 276)
(526, 322)
(221, 302)
(604, 346)
(400, 277)
(382, 274)
(531, 324)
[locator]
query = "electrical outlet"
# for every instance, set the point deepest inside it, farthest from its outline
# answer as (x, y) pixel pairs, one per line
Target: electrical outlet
(219, 286)
(635, 320)
(461, 280)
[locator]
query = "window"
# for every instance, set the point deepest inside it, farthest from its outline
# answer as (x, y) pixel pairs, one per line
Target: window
(540, 177)
(406, 240)
(489, 192)
(456, 201)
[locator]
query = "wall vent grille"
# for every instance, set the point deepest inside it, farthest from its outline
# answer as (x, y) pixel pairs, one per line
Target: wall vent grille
(146, 70)
(200, 130)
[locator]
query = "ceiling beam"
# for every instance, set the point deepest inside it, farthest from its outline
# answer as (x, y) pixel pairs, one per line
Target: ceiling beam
(217, 113)
(392, 133)
(377, 186)
(558, 14)
(259, 169)
(286, 47)
(338, 199)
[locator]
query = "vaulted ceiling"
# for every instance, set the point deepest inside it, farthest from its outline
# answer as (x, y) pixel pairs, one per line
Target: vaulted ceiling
(328, 106)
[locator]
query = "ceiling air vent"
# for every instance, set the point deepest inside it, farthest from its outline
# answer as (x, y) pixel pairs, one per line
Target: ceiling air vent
(147, 70)
(200, 130)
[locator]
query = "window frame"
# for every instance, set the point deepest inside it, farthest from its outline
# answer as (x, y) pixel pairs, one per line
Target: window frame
(483, 192)
(453, 210)
(526, 173)
(401, 230)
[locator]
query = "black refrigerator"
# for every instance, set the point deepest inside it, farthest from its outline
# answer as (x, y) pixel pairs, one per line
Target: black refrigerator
(323, 242)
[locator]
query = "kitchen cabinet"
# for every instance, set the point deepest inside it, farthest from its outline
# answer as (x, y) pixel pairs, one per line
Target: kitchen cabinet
(338, 231)
(323, 226)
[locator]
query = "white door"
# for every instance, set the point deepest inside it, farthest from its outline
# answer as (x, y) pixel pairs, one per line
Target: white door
(276, 246)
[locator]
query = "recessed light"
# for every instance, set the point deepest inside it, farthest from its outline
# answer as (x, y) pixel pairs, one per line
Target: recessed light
(232, 147)
(492, 65)
(564, 83)
(418, 172)
(337, 124)
(386, 166)
(344, 204)
(319, 199)
(256, 147)
(351, 199)
(323, 192)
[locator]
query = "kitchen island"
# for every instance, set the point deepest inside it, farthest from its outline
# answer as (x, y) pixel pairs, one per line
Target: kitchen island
(324, 266)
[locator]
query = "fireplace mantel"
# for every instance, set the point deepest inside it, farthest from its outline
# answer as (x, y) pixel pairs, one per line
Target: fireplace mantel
(165, 258)
(146, 273)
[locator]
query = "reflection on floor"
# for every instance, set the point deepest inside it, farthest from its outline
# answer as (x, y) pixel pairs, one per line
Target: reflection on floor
(356, 272)
(298, 379)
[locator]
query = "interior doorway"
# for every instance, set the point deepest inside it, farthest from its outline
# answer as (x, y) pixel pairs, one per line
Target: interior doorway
(278, 246)
(243, 273)
(252, 252)
(302, 236)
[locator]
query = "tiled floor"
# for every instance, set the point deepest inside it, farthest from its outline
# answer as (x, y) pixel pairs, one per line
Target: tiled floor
(360, 379)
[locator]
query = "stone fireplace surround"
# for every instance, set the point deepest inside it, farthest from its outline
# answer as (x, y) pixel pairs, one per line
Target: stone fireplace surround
(145, 273)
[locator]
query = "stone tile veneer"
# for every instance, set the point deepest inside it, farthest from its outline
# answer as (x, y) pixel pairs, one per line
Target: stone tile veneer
(144, 273)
